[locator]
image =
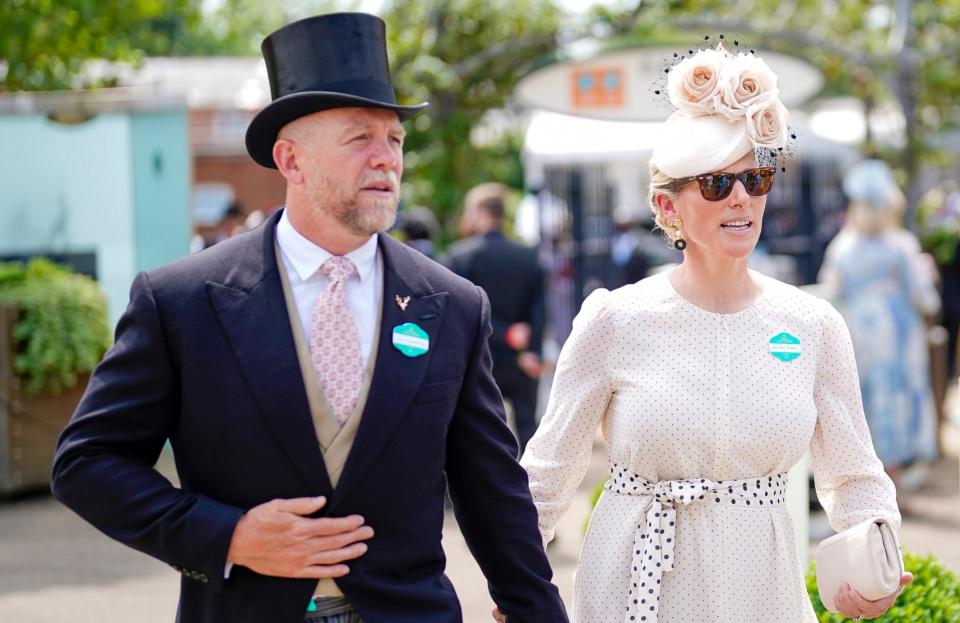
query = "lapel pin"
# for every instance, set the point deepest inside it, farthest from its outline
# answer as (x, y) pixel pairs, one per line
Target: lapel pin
(402, 302)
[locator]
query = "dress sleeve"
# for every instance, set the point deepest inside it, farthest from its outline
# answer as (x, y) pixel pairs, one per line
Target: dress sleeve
(850, 481)
(558, 456)
(919, 276)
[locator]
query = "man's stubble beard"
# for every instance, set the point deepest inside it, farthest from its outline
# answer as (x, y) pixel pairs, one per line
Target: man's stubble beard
(361, 218)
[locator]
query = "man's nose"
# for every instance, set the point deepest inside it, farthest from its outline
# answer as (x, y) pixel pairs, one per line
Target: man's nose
(385, 154)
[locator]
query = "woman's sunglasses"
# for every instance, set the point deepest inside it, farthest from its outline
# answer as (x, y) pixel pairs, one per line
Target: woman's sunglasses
(717, 186)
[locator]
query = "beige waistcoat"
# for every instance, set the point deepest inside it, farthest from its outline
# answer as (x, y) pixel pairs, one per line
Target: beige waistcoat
(335, 442)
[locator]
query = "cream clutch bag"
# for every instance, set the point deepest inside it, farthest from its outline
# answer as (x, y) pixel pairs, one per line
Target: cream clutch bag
(866, 556)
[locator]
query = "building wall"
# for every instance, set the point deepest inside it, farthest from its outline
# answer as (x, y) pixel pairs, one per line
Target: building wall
(74, 189)
(256, 187)
(68, 189)
(161, 173)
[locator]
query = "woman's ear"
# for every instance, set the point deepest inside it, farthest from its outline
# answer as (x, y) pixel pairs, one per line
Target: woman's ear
(668, 210)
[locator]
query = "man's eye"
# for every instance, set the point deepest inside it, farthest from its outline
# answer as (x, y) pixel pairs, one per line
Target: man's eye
(361, 137)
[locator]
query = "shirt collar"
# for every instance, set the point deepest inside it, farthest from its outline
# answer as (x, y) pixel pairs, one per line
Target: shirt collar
(307, 257)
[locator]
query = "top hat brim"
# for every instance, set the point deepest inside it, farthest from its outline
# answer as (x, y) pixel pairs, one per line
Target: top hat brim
(265, 126)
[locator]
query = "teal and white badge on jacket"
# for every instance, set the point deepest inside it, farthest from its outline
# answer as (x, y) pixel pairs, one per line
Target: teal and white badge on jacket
(785, 347)
(411, 340)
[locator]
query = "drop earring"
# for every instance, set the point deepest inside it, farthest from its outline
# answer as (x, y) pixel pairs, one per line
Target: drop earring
(679, 243)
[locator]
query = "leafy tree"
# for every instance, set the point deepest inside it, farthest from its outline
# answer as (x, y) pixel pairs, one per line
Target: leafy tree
(234, 28)
(464, 57)
(44, 44)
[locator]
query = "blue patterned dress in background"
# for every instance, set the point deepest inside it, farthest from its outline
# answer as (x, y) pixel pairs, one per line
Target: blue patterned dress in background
(879, 288)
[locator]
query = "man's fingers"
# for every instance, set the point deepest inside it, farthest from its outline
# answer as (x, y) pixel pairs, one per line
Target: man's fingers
(328, 526)
(319, 572)
(334, 556)
(343, 539)
(301, 506)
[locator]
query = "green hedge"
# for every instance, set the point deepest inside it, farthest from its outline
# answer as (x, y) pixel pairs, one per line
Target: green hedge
(932, 597)
(62, 329)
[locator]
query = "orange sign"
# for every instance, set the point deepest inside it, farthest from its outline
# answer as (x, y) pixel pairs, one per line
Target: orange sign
(597, 88)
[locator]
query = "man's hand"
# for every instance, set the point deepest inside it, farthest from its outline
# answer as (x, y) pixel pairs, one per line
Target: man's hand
(278, 538)
(530, 364)
(518, 336)
(498, 616)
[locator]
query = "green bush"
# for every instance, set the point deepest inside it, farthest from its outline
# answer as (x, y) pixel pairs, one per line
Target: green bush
(932, 597)
(62, 329)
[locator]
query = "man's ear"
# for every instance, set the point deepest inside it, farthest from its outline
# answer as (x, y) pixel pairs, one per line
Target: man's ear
(285, 157)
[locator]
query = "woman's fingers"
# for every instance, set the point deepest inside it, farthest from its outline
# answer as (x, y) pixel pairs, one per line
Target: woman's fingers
(844, 602)
(852, 604)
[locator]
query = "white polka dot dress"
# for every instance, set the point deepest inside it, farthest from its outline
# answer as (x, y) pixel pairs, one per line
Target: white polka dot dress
(703, 415)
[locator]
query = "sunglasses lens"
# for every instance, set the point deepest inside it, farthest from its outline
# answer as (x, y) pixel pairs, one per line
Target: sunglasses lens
(759, 181)
(716, 186)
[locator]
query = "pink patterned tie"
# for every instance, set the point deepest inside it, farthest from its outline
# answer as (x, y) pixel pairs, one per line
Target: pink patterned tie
(335, 341)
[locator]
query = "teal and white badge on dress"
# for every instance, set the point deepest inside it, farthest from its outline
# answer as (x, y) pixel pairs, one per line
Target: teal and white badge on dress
(411, 340)
(785, 347)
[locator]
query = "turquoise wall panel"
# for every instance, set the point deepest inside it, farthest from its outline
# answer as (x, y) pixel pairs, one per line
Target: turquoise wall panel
(68, 189)
(161, 187)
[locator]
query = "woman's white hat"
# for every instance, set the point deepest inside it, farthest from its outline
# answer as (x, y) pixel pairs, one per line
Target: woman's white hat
(727, 105)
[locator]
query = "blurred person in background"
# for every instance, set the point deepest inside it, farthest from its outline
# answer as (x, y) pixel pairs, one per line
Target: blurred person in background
(232, 223)
(513, 279)
(884, 286)
(419, 227)
(940, 227)
(628, 248)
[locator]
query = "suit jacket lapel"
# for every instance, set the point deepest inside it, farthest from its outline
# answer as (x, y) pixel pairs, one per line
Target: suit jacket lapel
(396, 377)
(251, 308)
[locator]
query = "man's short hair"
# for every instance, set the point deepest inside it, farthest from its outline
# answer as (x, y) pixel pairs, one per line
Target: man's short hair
(490, 197)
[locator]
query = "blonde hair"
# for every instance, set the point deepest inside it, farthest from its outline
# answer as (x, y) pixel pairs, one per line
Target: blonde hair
(662, 184)
(872, 218)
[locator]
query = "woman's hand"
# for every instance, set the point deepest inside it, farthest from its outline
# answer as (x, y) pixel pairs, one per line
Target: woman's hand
(852, 605)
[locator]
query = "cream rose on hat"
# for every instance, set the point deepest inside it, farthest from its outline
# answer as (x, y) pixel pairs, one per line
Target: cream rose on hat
(767, 125)
(745, 82)
(727, 105)
(694, 83)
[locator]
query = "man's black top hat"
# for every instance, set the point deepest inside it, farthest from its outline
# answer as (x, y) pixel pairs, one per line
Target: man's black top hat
(329, 61)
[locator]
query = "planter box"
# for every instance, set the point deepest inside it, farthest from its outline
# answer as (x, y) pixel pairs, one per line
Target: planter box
(29, 425)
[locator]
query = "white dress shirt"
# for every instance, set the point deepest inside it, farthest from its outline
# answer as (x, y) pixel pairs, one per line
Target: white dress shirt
(302, 260)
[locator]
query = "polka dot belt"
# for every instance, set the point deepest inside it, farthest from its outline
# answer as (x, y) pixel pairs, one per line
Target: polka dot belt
(653, 547)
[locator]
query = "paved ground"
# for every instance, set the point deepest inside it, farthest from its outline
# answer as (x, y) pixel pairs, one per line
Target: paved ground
(51, 562)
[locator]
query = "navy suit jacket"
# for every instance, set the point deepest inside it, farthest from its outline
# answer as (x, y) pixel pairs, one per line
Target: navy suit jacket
(204, 356)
